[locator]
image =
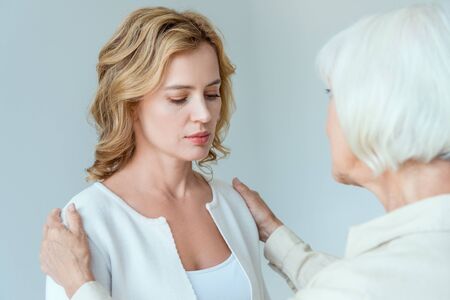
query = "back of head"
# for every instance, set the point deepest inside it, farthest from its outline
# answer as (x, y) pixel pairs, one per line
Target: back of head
(132, 64)
(390, 79)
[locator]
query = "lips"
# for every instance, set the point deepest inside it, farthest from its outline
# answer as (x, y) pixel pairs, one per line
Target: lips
(199, 138)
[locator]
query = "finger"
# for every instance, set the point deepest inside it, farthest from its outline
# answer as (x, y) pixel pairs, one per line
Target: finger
(239, 186)
(54, 216)
(51, 218)
(251, 198)
(74, 220)
(249, 195)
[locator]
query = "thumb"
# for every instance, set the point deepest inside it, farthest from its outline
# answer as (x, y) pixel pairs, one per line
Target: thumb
(74, 221)
(239, 186)
(250, 197)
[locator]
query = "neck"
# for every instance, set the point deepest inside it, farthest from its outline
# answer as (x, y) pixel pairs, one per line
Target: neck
(156, 171)
(412, 182)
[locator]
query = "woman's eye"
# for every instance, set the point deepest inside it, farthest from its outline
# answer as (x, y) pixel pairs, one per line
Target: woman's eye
(212, 97)
(178, 101)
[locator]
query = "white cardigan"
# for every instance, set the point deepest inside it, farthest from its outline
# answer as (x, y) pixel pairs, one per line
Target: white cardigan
(135, 257)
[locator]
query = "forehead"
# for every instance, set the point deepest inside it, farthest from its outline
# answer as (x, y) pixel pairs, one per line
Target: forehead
(193, 67)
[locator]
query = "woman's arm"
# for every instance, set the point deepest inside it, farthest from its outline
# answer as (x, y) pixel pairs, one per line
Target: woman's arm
(286, 252)
(66, 258)
(293, 259)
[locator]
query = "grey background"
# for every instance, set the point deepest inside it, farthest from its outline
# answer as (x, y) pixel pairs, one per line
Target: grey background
(48, 52)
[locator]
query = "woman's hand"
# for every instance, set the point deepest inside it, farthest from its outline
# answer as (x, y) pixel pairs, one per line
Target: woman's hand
(265, 219)
(65, 254)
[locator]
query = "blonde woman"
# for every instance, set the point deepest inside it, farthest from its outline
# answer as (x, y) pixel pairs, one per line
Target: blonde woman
(156, 228)
(389, 131)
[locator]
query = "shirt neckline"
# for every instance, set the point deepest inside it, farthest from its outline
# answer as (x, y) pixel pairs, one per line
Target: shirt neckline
(157, 220)
(215, 268)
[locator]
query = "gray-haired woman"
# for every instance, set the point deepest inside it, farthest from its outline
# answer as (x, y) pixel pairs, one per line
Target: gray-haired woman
(389, 130)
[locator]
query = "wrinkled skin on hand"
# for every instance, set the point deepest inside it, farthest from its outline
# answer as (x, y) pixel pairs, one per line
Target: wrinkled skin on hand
(265, 219)
(65, 255)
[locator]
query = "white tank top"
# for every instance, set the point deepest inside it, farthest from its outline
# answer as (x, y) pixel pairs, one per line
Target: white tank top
(224, 281)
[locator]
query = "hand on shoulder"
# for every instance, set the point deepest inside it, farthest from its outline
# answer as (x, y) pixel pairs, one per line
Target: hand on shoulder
(65, 255)
(265, 219)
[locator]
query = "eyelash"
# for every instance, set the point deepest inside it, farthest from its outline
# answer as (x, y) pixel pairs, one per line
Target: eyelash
(183, 100)
(328, 91)
(213, 97)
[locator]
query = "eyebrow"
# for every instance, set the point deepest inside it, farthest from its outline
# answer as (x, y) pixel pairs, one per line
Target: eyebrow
(189, 87)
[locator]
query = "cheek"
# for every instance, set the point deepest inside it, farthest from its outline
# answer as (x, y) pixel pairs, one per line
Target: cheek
(328, 128)
(342, 157)
(215, 109)
(340, 148)
(331, 120)
(157, 122)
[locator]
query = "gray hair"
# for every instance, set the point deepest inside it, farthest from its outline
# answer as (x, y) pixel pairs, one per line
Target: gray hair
(390, 79)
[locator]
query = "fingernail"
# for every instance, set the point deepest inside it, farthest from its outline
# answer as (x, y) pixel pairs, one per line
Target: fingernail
(237, 179)
(72, 207)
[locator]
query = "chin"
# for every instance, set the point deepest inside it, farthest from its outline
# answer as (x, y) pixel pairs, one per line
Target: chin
(197, 155)
(344, 178)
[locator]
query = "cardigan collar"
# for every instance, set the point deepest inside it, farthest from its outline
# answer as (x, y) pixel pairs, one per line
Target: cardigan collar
(428, 215)
(223, 217)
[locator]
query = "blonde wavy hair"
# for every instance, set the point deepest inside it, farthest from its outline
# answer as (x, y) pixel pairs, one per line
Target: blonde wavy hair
(132, 64)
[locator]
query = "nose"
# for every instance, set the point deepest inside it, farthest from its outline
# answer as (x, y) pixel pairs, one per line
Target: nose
(200, 110)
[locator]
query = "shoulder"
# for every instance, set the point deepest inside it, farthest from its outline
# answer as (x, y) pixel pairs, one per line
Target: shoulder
(97, 209)
(224, 188)
(91, 201)
(227, 193)
(230, 201)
